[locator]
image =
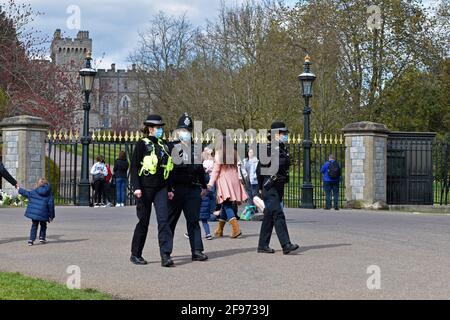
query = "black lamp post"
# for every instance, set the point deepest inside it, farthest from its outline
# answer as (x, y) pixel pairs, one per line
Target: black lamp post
(87, 76)
(307, 78)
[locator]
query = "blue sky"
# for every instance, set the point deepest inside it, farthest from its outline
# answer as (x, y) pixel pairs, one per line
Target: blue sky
(114, 24)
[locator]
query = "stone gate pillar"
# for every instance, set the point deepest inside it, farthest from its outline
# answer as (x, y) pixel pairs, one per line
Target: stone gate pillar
(23, 152)
(366, 165)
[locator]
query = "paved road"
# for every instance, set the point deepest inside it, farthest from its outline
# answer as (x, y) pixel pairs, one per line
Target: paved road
(412, 252)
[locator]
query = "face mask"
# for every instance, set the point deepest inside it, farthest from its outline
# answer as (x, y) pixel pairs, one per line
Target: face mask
(284, 138)
(159, 133)
(185, 136)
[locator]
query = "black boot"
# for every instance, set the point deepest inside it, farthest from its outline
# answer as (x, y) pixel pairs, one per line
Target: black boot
(266, 250)
(138, 260)
(290, 247)
(199, 256)
(166, 261)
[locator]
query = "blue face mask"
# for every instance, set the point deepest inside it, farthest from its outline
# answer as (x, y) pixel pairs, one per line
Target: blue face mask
(185, 136)
(159, 133)
(284, 138)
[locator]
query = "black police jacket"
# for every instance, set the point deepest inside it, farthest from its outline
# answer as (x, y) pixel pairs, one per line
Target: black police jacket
(188, 168)
(282, 174)
(152, 180)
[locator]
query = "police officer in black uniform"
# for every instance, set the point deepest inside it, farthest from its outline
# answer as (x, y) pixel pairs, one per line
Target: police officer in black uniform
(187, 186)
(149, 172)
(272, 187)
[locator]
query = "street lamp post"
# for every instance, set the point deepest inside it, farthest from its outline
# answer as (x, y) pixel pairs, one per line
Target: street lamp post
(307, 78)
(87, 75)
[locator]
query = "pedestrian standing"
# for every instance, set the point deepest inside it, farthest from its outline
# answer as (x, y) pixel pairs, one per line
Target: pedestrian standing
(248, 174)
(230, 191)
(120, 172)
(331, 172)
(187, 186)
(40, 209)
(150, 167)
(272, 187)
(99, 173)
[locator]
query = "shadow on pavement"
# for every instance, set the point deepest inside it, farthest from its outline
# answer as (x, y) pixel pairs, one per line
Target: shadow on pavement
(323, 246)
(180, 260)
(54, 239)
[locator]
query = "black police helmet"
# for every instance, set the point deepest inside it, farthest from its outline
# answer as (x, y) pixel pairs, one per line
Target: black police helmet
(154, 120)
(185, 122)
(280, 126)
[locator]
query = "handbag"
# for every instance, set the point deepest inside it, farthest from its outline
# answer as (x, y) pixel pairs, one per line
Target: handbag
(98, 176)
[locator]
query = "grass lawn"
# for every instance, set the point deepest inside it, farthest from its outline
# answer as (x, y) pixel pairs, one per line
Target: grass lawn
(14, 286)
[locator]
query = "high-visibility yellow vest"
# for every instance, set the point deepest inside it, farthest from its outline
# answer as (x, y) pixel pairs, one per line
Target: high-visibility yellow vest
(150, 162)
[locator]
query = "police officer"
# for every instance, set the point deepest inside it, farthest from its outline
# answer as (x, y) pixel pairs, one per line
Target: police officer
(187, 186)
(149, 171)
(272, 187)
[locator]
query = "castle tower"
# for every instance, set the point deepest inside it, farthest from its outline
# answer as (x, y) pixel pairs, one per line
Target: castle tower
(69, 52)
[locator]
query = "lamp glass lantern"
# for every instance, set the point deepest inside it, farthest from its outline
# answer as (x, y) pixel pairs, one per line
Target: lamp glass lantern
(87, 75)
(307, 78)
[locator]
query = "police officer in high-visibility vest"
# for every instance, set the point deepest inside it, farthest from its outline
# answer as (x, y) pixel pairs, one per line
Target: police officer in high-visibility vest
(272, 187)
(187, 185)
(149, 172)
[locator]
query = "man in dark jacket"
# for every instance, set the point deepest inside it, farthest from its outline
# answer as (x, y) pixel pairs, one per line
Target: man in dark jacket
(331, 172)
(149, 171)
(272, 187)
(5, 174)
(40, 209)
(185, 184)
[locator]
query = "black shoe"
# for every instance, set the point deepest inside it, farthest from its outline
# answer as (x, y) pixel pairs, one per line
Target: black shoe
(327, 208)
(266, 250)
(290, 247)
(336, 208)
(166, 261)
(199, 256)
(138, 260)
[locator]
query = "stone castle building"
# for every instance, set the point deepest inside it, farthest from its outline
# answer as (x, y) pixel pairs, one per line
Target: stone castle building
(117, 94)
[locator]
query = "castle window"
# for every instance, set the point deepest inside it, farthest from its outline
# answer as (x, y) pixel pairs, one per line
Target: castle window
(105, 112)
(125, 104)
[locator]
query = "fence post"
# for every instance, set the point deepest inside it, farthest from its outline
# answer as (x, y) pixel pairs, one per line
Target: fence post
(366, 165)
(24, 150)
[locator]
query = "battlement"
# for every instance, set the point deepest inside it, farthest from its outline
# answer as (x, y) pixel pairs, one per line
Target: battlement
(116, 71)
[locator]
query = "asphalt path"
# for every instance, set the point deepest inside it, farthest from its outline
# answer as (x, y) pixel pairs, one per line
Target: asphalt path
(346, 254)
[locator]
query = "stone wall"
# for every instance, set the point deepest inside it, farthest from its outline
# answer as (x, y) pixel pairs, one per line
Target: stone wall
(23, 150)
(365, 164)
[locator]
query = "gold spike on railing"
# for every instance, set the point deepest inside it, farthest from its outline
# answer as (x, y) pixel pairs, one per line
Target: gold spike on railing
(93, 136)
(252, 138)
(246, 138)
(109, 136)
(60, 135)
(213, 138)
(131, 136)
(138, 135)
(240, 138)
(335, 139)
(65, 135)
(104, 136)
(70, 135)
(114, 135)
(49, 135)
(126, 135)
(315, 138)
(299, 138)
(207, 138)
(235, 138)
(325, 139)
(77, 135)
(120, 136)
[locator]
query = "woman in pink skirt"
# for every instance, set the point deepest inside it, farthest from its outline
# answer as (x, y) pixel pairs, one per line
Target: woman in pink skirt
(229, 189)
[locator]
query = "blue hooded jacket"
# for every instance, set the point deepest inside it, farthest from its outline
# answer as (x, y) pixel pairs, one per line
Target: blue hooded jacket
(41, 206)
(324, 171)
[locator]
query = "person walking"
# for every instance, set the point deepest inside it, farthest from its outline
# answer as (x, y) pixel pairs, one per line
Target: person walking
(99, 173)
(208, 205)
(331, 172)
(272, 187)
(150, 168)
(40, 209)
(187, 186)
(120, 172)
(247, 170)
(229, 189)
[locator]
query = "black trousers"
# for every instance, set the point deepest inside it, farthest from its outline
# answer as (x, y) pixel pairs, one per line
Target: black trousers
(99, 186)
(273, 217)
(188, 200)
(157, 196)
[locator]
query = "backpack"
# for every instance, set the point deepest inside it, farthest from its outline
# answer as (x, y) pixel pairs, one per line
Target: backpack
(334, 171)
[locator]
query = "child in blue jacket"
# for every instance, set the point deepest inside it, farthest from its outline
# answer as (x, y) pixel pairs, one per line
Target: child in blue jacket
(41, 209)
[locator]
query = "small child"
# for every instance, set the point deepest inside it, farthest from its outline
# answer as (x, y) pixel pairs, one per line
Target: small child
(41, 209)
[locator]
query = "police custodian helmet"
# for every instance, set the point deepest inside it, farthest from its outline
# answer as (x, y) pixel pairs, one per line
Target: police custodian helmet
(279, 126)
(153, 120)
(185, 122)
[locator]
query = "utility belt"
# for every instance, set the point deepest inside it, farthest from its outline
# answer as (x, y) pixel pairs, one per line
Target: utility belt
(273, 180)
